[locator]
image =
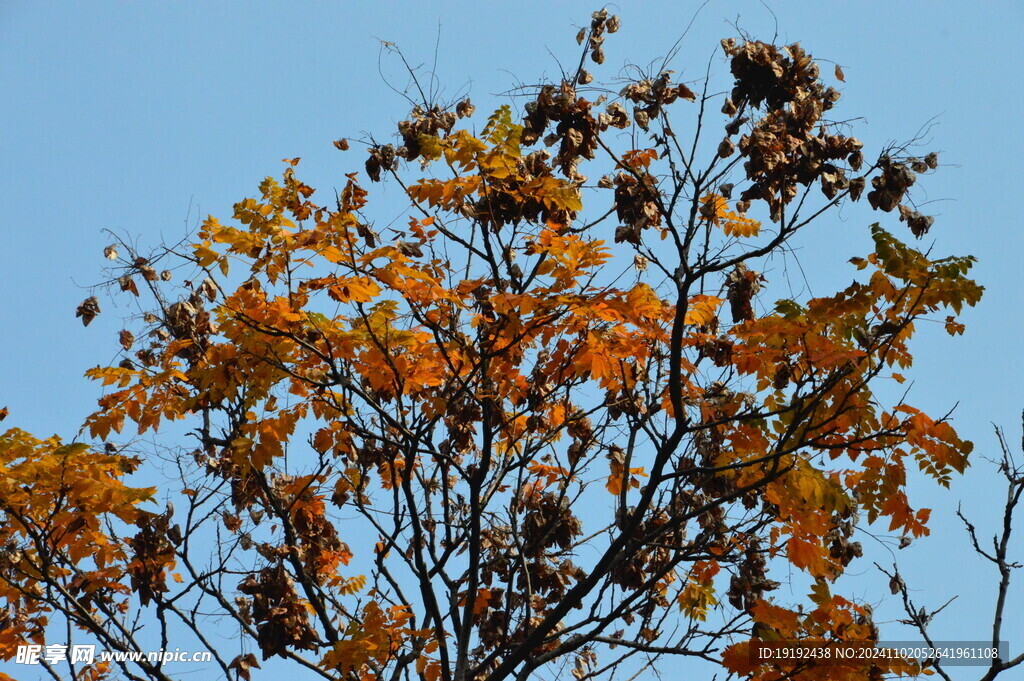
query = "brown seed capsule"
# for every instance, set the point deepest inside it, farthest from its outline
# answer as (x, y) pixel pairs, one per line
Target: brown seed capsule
(726, 148)
(464, 108)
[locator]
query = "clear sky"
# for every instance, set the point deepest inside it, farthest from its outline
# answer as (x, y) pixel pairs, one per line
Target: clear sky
(136, 117)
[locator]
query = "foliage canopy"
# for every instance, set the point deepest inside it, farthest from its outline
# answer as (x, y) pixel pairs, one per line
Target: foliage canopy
(552, 423)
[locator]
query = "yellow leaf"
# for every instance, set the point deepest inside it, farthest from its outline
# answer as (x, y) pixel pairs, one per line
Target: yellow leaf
(702, 309)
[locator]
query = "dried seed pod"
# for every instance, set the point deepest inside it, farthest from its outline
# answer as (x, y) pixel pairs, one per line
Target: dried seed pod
(88, 309)
(733, 126)
(857, 188)
(464, 109)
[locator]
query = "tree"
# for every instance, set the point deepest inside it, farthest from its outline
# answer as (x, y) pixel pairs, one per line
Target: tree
(516, 437)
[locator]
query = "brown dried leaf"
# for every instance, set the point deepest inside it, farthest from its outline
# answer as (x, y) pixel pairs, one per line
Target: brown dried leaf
(341, 144)
(110, 252)
(127, 339)
(839, 74)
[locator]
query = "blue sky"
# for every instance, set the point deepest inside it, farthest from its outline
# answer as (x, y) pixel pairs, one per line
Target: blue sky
(139, 117)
